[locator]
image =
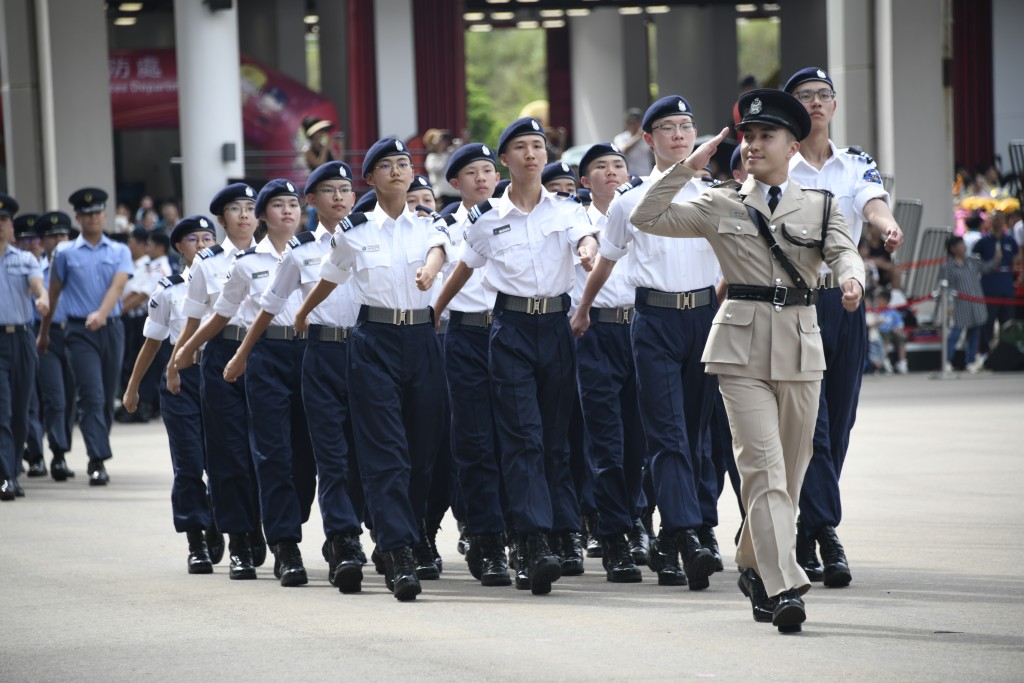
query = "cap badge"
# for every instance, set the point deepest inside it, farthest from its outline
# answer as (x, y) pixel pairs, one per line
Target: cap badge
(53, 220)
(291, 188)
(484, 150)
(822, 74)
(565, 167)
(398, 146)
(755, 107)
(536, 126)
(248, 191)
(30, 222)
(88, 196)
(616, 149)
(421, 181)
(682, 105)
(203, 223)
(342, 172)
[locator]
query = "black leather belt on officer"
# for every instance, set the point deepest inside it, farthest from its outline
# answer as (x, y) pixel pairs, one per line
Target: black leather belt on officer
(531, 305)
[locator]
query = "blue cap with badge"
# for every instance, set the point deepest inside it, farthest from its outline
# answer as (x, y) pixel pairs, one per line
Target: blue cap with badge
(556, 171)
(811, 73)
(231, 193)
(190, 224)
(671, 105)
(88, 200)
(601, 149)
(8, 205)
(24, 226)
(518, 128)
(54, 223)
(332, 170)
(420, 182)
(365, 203)
(275, 188)
(773, 107)
(467, 154)
(388, 147)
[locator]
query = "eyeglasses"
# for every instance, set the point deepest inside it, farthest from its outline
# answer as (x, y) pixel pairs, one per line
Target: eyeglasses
(826, 95)
(239, 209)
(200, 239)
(671, 128)
(331, 191)
(386, 166)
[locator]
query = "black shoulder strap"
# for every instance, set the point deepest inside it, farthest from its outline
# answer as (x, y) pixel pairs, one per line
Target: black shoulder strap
(776, 250)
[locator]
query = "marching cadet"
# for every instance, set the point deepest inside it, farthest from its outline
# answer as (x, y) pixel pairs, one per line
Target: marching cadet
(394, 361)
(323, 387)
(421, 193)
(230, 467)
(89, 276)
(851, 176)
(29, 241)
(558, 177)
(527, 239)
(21, 280)
(285, 470)
(771, 237)
(675, 303)
(182, 412)
(56, 381)
(607, 380)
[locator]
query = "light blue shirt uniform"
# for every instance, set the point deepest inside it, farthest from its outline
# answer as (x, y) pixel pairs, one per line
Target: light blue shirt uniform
(86, 272)
(15, 298)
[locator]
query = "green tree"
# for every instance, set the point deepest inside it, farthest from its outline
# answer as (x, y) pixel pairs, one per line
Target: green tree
(505, 70)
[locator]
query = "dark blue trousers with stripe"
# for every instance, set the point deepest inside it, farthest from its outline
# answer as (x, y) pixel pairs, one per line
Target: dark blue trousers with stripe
(183, 419)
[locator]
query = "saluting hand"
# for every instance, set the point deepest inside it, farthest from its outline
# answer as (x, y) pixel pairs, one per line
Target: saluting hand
(852, 294)
(701, 156)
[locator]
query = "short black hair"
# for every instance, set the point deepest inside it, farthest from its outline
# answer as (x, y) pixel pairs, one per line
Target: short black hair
(160, 237)
(952, 242)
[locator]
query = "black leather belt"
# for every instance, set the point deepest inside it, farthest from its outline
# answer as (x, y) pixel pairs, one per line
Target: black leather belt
(395, 316)
(473, 319)
(621, 315)
(13, 329)
(233, 333)
(283, 333)
(779, 296)
(826, 281)
(325, 333)
(75, 319)
(532, 305)
(678, 300)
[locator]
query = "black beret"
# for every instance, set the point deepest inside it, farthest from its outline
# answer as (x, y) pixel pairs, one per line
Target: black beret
(388, 147)
(88, 200)
(467, 154)
(774, 108)
(556, 170)
(601, 149)
(232, 192)
(420, 182)
(672, 105)
(524, 126)
(500, 188)
(366, 203)
(275, 188)
(54, 223)
(24, 225)
(332, 170)
(811, 73)
(190, 224)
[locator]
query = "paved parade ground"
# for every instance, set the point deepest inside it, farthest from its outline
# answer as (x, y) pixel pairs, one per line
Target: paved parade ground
(94, 584)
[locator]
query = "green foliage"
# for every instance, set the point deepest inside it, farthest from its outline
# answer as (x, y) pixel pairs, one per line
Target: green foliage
(758, 44)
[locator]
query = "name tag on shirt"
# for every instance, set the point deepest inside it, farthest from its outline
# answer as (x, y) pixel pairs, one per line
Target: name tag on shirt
(311, 262)
(372, 247)
(736, 213)
(262, 273)
(502, 229)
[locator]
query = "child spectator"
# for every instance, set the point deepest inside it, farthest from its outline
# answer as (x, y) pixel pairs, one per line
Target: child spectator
(891, 330)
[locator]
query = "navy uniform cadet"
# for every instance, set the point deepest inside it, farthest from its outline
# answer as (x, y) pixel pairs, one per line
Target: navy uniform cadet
(558, 177)
(89, 277)
(421, 193)
(606, 374)
(365, 203)
(394, 361)
(182, 412)
(473, 171)
(21, 280)
(527, 240)
(675, 303)
(851, 176)
(230, 468)
(56, 381)
(27, 239)
(285, 469)
(771, 237)
(323, 386)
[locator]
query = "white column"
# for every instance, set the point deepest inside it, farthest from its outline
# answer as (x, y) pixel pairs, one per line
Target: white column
(396, 69)
(20, 88)
(1007, 57)
(598, 76)
(209, 100)
(851, 63)
(333, 39)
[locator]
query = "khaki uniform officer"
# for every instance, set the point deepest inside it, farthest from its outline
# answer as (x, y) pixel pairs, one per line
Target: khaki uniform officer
(765, 345)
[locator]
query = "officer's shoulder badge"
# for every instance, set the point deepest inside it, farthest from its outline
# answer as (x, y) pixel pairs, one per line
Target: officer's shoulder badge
(243, 254)
(352, 220)
(871, 176)
(479, 210)
(726, 185)
(629, 185)
(570, 196)
(303, 237)
(860, 154)
(171, 280)
(210, 251)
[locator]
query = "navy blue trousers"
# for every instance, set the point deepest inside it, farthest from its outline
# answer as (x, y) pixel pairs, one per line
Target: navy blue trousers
(33, 447)
(721, 451)
(96, 363)
(282, 452)
(183, 419)
(474, 438)
(533, 371)
(229, 459)
(617, 444)
(57, 392)
(675, 404)
(394, 374)
(845, 339)
(579, 459)
(326, 400)
(17, 376)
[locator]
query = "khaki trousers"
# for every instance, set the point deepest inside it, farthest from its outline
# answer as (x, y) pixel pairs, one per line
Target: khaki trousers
(772, 425)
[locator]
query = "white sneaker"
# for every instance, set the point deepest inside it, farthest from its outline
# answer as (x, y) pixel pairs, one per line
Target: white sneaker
(947, 367)
(978, 364)
(901, 367)
(887, 366)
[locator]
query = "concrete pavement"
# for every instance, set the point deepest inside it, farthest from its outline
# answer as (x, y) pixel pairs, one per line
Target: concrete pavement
(93, 583)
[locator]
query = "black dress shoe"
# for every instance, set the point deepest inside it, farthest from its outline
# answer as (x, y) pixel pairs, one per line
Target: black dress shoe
(259, 545)
(663, 559)
(618, 562)
(59, 469)
(698, 562)
(706, 536)
(7, 489)
(493, 563)
(37, 468)
(98, 473)
(833, 556)
(545, 566)
(806, 555)
(18, 491)
(400, 574)
(789, 612)
(198, 554)
(751, 586)
(241, 567)
(288, 564)
(345, 566)
(215, 543)
(639, 542)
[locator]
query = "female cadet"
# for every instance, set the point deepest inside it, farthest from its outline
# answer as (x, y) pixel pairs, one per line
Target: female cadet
(394, 361)
(182, 412)
(226, 419)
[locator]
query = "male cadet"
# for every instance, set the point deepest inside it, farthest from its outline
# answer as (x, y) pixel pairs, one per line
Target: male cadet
(851, 176)
(29, 241)
(771, 237)
(182, 412)
(394, 360)
(21, 279)
(56, 381)
(421, 193)
(90, 276)
(675, 303)
(558, 177)
(607, 382)
(230, 468)
(527, 241)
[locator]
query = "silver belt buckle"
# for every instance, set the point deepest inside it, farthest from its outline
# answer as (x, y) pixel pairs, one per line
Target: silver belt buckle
(398, 317)
(779, 299)
(538, 306)
(684, 300)
(9, 329)
(624, 314)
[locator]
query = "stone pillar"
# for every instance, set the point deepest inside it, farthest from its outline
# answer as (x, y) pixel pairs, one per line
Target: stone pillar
(333, 56)
(209, 101)
(272, 32)
(396, 69)
(636, 61)
(1007, 56)
(851, 63)
(598, 75)
(20, 86)
(804, 35)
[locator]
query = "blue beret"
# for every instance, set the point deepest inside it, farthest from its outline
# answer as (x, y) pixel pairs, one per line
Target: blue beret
(735, 161)
(774, 108)
(332, 170)
(524, 126)
(231, 193)
(811, 73)
(556, 170)
(8, 205)
(420, 182)
(601, 149)
(383, 148)
(672, 105)
(275, 188)
(190, 224)
(500, 188)
(366, 203)
(88, 200)
(24, 225)
(467, 154)
(54, 223)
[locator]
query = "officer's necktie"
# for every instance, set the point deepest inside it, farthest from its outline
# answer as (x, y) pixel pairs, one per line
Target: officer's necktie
(773, 197)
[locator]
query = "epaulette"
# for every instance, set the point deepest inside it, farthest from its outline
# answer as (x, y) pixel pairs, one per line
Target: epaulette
(570, 196)
(352, 220)
(858, 152)
(210, 251)
(300, 239)
(250, 250)
(726, 184)
(479, 210)
(629, 185)
(166, 282)
(828, 194)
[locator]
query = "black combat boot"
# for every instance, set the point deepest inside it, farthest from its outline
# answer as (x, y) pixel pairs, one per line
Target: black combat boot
(241, 566)
(288, 564)
(198, 555)
(474, 555)
(639, 542)
(520, 560)
(400, 574)
(698, 562)
(545, 566)
(833, 556)
(214, 543)
(572, 554)
(426, 569)
(593, 541)
(663, 559)
(618, 561)
(706, 536)
(258, 543)
(345, 568)
(493, 565)
(806, 555)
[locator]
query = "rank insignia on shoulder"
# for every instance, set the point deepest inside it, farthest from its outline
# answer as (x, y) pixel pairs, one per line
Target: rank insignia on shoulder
(303, 237)
(629, 185)
(479, 210)
(171, 280)
(858, 152)
(153, 303)
(210, 251)
(350, 221)
(871, 176)
(241, 254)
